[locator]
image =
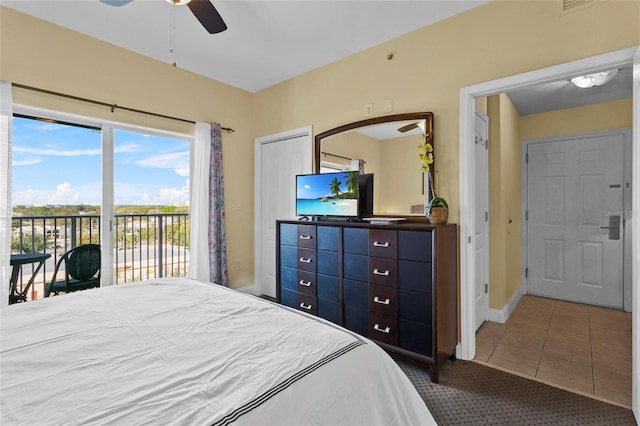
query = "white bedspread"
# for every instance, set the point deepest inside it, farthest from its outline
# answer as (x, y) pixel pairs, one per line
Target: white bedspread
(178, 351)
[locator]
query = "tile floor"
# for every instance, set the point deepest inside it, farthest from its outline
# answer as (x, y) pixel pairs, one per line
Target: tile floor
(570, 345)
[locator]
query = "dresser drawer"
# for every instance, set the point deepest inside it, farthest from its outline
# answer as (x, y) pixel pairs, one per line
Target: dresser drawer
(307, 236)
(327, 262)
(415, 245)
(329, 310)
(296, 280)
(328, 238)
(306, 283)
(327, 287)
(356, 267)
(383, 271)
(302, 302)
(383, 243)
(306, 260)
(416, 337)
(383, 300)
(416, 276)
(355, 293)
(356, 241)
(308, 304)
(383, 328)
(415, 306)
(356, 320)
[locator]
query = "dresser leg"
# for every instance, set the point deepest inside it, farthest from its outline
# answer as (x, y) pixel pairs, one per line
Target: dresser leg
(435, 374)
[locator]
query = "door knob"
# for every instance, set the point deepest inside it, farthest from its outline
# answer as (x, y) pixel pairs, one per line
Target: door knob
(614, 227)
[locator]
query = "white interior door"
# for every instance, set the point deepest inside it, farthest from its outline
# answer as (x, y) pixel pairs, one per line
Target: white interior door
(481, 239)
(282, 157)
(575, 194)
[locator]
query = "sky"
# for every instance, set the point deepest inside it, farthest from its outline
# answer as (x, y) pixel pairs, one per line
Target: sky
(57, 164)
(316, 186)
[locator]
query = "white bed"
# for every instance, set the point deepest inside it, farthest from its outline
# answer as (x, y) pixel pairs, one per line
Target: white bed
(179, 351)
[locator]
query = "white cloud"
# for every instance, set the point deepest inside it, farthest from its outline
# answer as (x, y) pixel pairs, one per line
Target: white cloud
(57, 152)
(28, 162)
(64, 193)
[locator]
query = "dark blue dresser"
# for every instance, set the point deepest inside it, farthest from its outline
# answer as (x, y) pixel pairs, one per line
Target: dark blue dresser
(395, 284)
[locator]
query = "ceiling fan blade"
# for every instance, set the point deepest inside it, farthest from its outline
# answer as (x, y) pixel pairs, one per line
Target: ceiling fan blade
(207, 15)
(116, 2)
(408, 127)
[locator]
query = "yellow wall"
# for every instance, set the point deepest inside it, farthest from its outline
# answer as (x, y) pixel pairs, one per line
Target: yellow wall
(431, 64)
(39, 54)
(593, 118)
(505, 263)
(429, 67)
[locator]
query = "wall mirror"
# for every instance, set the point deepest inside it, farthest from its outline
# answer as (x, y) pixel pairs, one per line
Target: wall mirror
(387, 147)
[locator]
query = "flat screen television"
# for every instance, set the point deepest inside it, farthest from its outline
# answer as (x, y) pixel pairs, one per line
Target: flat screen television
(327, 194)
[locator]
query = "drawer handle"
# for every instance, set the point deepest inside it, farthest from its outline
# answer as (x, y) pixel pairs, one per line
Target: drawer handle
(386, 330)
(378, 244)
(305, 260)
(382, 302)
(303, 306)
(384, 274)
(305, 283)
(305, 237)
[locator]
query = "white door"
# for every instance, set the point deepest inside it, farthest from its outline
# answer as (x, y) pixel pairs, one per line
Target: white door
(575, 210)
(481, 239)
(282, 157)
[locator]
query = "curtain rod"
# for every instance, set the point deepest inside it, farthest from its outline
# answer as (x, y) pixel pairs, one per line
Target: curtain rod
(339, 156)
(112, 106)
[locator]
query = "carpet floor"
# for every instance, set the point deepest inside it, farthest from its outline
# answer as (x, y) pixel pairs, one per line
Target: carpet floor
(470, 393)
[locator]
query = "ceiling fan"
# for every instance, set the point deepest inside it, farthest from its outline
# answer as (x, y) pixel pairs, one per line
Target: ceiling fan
(418, 124)
(203, 10)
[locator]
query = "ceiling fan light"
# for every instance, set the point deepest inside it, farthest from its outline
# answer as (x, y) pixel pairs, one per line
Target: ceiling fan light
(593, 80)
(178, 2)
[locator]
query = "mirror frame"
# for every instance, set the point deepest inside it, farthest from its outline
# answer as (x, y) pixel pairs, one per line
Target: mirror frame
(426, 116)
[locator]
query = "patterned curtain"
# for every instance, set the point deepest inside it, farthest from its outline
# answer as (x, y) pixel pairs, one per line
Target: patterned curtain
(217, 233)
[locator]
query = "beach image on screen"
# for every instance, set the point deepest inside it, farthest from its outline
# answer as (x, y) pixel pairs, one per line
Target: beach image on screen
(328, 194)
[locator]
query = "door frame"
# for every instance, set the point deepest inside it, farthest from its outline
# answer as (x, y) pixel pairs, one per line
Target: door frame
(626, 200)
(307, 133)
(484, 193)
(625, 57)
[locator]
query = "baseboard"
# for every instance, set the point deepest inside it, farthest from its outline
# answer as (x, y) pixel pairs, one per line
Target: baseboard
(502, 315)
(250, 289)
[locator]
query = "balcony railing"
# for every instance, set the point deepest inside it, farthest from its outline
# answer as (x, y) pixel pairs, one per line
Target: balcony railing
(144, 245)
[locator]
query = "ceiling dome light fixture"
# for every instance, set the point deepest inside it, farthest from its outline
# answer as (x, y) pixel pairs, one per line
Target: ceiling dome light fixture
(178, 2)
(593, 80)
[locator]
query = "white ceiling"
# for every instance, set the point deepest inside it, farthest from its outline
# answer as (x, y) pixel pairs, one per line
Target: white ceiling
(269, 41)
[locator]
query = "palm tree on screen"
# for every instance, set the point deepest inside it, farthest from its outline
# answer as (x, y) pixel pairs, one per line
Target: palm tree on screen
(334, 186)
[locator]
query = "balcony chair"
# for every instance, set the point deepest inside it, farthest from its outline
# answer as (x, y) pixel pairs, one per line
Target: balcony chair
(81, 270)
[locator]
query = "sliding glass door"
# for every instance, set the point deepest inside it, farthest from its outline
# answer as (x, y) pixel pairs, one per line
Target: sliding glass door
(76, 183)
(151, 206)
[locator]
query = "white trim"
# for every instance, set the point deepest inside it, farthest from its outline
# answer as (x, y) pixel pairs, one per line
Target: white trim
(305, 131)
(619, 58)
(635, 240)
(502, 315)
(107, 216)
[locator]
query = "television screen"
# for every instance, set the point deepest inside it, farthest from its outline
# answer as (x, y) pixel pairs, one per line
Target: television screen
(327, 194)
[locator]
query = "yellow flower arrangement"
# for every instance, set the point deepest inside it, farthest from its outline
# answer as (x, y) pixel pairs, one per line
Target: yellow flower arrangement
(425, 152)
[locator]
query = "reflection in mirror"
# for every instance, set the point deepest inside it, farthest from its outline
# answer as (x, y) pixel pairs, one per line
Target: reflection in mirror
(388, 148)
